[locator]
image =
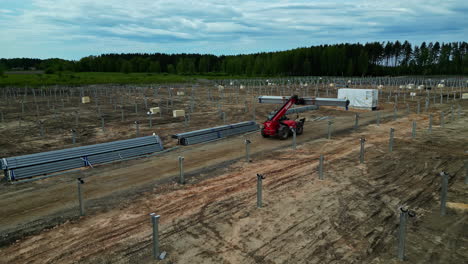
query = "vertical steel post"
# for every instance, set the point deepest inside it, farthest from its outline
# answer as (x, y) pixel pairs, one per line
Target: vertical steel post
(390, 144)
(443, 193)
(430, 123)
(402, 234)
(294, 138)
(361, 154)
(413, 130)
(155, 222)
(224, 117)
(356, 121)
(73, 136)
(451, 113)
(41, 123)
(418, 108)
(442, 122)
(466, 172)
(80, 196)
(321, 167)
(329, 129)
(260, 177)
(102, 124)
(137, 126)
(459, 112)
(181, 170)
(247, 150)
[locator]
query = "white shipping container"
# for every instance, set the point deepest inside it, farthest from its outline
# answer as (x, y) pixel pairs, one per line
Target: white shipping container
(360, 98)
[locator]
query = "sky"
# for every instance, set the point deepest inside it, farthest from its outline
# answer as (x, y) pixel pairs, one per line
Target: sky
(72, 29)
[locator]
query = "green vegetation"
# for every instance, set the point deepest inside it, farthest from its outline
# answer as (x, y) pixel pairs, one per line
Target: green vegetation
(69, 78)
(370, 59)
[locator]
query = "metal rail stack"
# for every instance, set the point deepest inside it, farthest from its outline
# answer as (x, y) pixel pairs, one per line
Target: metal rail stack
(307, 101)
(27, 166)
(209, 134)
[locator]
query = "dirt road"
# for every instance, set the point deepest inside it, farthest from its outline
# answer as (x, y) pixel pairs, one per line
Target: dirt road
(350, 217)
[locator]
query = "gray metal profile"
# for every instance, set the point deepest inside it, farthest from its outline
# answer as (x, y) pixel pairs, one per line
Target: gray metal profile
(38, 164)
(203, 135)
(307, 101)
(302, 109)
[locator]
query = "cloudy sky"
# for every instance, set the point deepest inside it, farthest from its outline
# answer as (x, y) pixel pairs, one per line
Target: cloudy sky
(72, 29)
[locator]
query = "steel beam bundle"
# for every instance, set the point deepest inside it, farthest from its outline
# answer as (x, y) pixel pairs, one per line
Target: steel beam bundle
(20, 167)
(307, 101)
(204, 135)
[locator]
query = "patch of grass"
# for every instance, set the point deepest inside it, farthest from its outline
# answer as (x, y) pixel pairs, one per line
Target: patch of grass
(83, 78)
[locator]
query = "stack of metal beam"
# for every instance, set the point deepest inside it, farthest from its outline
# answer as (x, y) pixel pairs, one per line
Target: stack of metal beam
(307, 101)
(302, 109)
(204, 135)
(16, 168)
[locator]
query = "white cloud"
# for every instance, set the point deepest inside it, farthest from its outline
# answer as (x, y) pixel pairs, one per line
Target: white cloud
(76, 28)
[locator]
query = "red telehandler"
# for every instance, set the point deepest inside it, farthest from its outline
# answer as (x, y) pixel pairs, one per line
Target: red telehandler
(282, 127)
(279, 125)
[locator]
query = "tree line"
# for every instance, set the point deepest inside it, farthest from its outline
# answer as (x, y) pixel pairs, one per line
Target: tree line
(370, 59)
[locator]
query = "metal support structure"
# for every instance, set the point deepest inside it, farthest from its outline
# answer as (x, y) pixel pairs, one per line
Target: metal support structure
(80, 196)
(442, 121)
(443, 193)
(102, 124)
(294, 138)
(419, 108)
(451, 113)
(390, 143)
(181, 170)
(430, 123)
(361, 153)
(247, 150)
(260, 177)
(329, 129)
(150, 117)
(137, 126)
(41, 124)
(356, 121)
(404, 214)
(413, 130)
(155, 222)
(466, 172)
(402, 235)
(321, 167)
(73, 131)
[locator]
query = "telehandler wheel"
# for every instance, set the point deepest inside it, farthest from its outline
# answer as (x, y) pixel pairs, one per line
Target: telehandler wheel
(299, 130)
(263, 134)
(283, 132)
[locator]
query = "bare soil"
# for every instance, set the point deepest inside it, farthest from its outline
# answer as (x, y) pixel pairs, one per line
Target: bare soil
(350, 217)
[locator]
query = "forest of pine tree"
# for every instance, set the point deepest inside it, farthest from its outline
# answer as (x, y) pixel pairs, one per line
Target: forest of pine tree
(370, 59)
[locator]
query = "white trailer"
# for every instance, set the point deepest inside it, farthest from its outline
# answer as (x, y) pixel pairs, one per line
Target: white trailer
(360, 98)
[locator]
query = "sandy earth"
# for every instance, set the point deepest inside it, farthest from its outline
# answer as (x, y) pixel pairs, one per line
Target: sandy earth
(350, 217)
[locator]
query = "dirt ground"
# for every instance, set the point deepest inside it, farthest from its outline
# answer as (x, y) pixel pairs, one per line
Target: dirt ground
(349, 217)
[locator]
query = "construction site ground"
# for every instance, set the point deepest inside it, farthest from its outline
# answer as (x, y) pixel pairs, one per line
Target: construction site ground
(349, 217)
